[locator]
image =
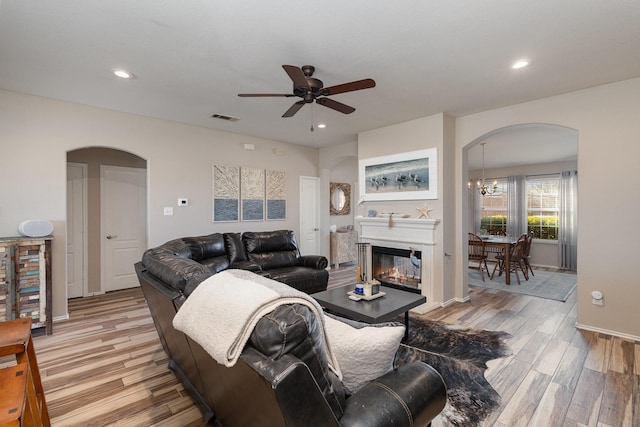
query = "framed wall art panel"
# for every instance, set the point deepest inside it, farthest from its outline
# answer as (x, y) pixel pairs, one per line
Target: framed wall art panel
(252, 194)
(403, 176)
(226, 193)
(276, 187)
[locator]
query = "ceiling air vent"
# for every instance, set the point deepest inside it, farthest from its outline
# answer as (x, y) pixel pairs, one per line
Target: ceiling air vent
(223, 117)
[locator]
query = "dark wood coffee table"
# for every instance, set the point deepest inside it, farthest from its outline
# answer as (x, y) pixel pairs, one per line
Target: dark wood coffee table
(383, 309)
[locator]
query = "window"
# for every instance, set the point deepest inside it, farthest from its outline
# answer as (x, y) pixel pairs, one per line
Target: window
(543, 206)
(493, 214)
(540, 204)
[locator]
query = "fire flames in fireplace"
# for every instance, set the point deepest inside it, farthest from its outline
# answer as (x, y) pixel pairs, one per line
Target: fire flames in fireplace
(397, 268)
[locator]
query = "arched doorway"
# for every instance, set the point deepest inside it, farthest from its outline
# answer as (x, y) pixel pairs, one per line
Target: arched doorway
(86, 248)
(531, 149)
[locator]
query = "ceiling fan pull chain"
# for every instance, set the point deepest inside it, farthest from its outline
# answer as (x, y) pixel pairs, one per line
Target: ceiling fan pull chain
(312, 129)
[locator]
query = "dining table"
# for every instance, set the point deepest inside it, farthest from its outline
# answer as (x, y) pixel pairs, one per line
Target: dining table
(499, 245)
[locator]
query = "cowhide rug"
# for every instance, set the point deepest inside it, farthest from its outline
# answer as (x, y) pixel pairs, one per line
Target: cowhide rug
(460, 355)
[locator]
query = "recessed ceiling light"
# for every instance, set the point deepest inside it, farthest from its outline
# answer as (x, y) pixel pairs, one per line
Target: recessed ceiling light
(123, 74)
(519, 64)
(321, 126)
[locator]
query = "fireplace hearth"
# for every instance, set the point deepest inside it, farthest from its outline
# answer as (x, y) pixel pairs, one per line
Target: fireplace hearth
(397, 268)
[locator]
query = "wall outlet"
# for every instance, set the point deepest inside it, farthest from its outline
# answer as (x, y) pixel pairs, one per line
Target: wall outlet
(183, 202)
(168, 211)
(597, 298)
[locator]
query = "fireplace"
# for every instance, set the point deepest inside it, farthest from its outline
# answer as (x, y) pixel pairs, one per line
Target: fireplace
(399, 238)
(397, 268)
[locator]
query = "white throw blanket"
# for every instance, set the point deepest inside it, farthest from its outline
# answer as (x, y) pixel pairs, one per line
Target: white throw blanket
(221, 313)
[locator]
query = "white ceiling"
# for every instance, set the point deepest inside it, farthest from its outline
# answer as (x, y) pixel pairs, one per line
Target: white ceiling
(191, 58)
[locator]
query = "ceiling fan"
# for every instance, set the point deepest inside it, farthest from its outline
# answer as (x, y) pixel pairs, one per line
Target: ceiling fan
(311, 89)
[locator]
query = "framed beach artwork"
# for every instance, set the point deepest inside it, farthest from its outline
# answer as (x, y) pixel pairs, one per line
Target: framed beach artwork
(403, 176)
(226, 193)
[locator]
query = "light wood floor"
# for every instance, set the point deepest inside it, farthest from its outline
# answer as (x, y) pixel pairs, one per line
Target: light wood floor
(105, 366)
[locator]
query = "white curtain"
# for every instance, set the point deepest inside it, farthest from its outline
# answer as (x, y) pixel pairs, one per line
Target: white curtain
(568, 228)
(516, 206)
(476, 209)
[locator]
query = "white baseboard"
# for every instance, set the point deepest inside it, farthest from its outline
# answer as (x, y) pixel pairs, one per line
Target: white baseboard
(452, 300)
(607, 332)
(60, 318)
(427, 307)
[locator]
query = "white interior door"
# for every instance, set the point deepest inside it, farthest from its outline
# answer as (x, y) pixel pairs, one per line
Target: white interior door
(76, 230)
(309, 215)
(123, 223)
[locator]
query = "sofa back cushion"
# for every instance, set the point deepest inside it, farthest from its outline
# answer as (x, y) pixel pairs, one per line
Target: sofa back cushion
(204, 247)
(271, 249)
(293, 329)
(235, 248)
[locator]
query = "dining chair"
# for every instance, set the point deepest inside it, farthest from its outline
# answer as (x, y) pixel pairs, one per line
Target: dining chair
(478, 254)
(526, 258)
(515, 260)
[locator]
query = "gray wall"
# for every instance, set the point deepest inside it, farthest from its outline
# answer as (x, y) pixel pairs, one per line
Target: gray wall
(37, 133)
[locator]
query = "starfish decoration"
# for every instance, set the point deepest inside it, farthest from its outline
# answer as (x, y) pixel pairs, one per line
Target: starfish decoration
(424, 211)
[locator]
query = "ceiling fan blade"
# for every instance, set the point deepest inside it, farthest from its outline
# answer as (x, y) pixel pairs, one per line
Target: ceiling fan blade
(335, 105)
(294, 109)
(296, 74)
(246, 95)
(349, 87)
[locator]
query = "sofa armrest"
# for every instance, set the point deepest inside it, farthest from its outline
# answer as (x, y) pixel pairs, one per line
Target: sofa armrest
(317, 262)
(413, 394)
(301, 401)
(171, 269)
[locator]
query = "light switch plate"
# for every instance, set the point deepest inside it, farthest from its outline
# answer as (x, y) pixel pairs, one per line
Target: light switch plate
(168, 211)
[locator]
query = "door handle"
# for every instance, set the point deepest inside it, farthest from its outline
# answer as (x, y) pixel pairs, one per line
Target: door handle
(109, 236)
(316, 229)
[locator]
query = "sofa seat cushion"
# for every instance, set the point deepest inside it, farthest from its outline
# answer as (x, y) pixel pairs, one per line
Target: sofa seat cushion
(216, 264)
(270, 260)
(304, 279)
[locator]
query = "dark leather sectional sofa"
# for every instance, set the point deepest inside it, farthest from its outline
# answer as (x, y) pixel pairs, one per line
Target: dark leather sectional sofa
(183, 263)
(282, 376)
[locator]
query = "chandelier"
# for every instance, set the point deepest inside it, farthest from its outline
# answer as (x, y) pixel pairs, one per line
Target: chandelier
(483, 188)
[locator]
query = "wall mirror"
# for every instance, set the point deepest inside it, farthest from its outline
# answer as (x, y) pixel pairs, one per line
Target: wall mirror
(340, 198)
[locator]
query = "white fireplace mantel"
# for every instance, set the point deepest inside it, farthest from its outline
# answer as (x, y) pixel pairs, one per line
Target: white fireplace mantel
(404, 230)
(405, 233)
